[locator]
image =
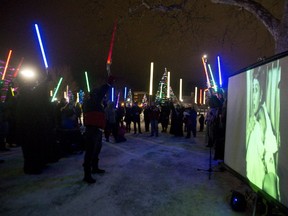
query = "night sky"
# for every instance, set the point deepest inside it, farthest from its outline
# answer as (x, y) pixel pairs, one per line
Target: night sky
(77, 34)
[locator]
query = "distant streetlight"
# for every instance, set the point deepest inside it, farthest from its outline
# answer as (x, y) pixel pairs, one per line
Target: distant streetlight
(28, 73)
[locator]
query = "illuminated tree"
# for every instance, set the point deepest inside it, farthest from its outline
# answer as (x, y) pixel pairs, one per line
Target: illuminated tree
(129, 99)
(161, 95)
(144, 100)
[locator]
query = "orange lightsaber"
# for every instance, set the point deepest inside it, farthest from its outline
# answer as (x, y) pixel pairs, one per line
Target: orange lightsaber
(18, 68)
(200, 96)
(205, 69)
(7, 63)
(109, 59)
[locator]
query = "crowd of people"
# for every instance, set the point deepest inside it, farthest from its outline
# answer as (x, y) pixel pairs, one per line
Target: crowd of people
(48, 131)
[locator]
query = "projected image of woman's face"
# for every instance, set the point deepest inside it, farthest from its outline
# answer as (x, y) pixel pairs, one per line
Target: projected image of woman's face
(262, 145)
(256, 141)
(256, 95)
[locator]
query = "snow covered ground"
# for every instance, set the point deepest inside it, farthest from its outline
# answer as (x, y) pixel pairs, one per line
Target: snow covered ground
(144, 176)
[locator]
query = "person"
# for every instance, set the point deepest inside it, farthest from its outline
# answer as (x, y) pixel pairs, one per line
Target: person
(58, 112)
(136, 111)
(221, 127)
(35, 125)
(11, 103)
(111, 125)
(212, 118)
(93, 134)
(68, 130)
(3, 126)
(164, 116)
(190, 118)
(177, 120)
(146, 113)
(154, 118)
(69, 118)
(120, 113)
(77, 109)
(201, 122)
(261, 143)
(128, 117)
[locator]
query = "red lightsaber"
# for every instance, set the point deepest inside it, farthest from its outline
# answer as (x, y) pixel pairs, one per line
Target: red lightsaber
(109, 59)
(18, 68)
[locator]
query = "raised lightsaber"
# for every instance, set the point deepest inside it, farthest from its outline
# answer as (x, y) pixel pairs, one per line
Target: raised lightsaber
(118, 98)
(56, 90)
(195, 95)
(180, 90)
(12, 91)
(201, 96)
(151, 78)
(211, 73)
(6, 65)
(168, 85)
(219, 70)
(206, 72)
(18, 68)
(87, 81)
(109, 59)
(67, 94)
(112, 94)
(41, 47)
(125, 93)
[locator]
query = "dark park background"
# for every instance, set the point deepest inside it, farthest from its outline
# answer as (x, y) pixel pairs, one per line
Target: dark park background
(172, 34)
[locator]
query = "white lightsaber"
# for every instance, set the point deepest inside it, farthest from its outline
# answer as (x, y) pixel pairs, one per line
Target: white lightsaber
(168, 85)
(180, 91)
(196, 89)
(151, 78)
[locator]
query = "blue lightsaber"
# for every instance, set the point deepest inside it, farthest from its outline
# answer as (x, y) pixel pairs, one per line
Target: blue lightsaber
(219, 70)
(125, 93)
(41, 46)
(112, 94)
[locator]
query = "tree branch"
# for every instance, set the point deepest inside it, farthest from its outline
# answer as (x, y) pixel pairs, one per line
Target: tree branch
(161, 7)
(262, 14)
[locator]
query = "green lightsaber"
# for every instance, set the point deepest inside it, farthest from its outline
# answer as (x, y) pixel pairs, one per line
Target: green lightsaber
(57, 88)
(87, 81)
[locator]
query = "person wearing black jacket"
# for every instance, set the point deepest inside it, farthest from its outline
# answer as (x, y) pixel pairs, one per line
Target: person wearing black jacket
(93, 133)
(35, 125)
(136, 111)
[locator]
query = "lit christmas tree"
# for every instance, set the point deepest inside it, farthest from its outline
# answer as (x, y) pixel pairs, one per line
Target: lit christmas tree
(144, 100)
(129, 99)
(161, 95)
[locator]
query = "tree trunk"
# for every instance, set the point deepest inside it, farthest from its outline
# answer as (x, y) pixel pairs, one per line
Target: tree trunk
(277, 28)
(281, 41)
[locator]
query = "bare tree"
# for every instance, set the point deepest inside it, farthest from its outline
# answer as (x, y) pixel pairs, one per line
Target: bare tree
(277, 27)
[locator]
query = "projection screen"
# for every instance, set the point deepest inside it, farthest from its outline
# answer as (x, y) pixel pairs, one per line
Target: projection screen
(256, 142)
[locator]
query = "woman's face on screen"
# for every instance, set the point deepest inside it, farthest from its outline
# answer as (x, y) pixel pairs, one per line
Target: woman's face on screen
(256, 94)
